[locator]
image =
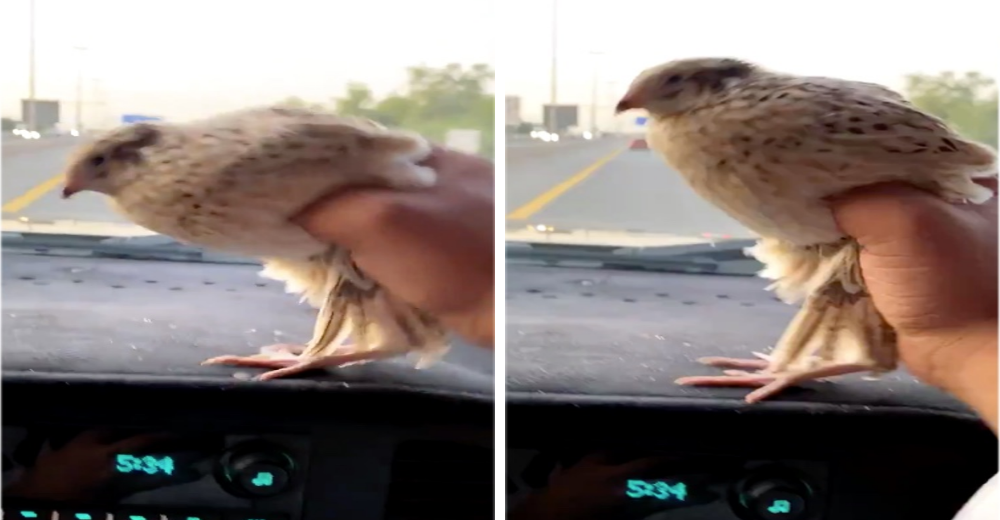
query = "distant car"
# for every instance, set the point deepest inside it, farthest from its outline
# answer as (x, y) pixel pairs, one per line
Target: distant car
(638, 144)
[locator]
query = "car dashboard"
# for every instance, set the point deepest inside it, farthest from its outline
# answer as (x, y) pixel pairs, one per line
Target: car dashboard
(597, 429)
(109, 416)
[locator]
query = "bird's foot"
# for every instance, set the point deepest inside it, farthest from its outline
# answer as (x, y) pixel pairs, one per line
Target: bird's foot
(287, 360)
(737, 374)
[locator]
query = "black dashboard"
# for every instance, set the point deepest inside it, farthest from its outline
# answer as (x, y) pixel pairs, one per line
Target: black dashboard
(109, 416)
(104, 397)
(596, 428)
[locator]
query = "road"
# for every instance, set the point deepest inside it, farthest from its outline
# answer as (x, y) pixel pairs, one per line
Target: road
(595, 185)
(601, 186)
(31, 199)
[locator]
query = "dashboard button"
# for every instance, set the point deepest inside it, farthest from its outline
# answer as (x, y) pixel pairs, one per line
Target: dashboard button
(255, 469)
(192, 516)
(773, 495)
(26, 513)
(779, 504)
(263, 478)
(76, 514)
(255, 516)
(133, 515)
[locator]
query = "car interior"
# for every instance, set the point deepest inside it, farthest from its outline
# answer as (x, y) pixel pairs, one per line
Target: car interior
(595, 339)
(108, 414)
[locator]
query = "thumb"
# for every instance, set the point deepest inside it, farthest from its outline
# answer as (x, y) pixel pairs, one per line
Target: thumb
(885, 212)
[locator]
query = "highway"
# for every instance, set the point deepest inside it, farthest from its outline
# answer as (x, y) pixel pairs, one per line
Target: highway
(591, 191)
(576, 188)
(31, 196)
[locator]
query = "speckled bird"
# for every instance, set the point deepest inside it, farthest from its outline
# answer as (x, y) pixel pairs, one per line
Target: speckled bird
(769, 148)
(233, 182)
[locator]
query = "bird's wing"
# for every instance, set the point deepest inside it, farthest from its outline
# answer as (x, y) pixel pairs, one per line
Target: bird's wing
(862, 123)
(319, 150)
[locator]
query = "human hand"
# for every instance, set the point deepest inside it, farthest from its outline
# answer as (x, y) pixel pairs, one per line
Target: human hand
(931, 268)
(433, 248)
(592, 489)
(77, 470)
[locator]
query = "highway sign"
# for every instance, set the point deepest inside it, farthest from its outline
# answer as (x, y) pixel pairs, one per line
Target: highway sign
(135, 118)
(641, 121)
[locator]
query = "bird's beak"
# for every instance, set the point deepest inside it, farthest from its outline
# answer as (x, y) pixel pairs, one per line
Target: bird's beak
(627, 103)
(70, 189)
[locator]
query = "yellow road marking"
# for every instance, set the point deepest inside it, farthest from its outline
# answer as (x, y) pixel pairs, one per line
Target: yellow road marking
(539, 202)
(29, 197)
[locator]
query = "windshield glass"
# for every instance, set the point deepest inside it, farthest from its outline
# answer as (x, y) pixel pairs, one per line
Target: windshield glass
(75, 69)
(578, 174)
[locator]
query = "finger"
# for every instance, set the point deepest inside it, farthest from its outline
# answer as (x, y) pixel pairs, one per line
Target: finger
(44, 450)
(641, 466)
(140, 442)
(883, 213)
(91, 437)
(597, 458)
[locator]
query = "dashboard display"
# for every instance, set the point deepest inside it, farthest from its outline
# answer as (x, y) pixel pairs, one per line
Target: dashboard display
(72, 471)
(144, 464)
(620, 486)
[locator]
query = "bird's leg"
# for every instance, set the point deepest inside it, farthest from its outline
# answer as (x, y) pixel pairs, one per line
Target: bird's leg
(325, 349)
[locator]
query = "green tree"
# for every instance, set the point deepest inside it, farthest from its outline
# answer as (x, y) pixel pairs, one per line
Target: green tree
(966, 101)
(433, 101)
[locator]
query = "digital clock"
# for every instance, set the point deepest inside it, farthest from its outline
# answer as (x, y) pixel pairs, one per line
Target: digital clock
(656, 489)
(129, 464)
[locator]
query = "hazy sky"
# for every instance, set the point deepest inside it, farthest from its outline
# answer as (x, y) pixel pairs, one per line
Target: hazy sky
(872, 40)
(188, 58)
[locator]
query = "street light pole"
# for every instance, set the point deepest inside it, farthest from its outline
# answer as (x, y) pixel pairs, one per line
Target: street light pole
(553, 126)
(594, 95)
(31, 66)
(79, 89)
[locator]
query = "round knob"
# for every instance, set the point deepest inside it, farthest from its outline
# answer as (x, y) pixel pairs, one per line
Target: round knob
(772, 497)
(255, 469)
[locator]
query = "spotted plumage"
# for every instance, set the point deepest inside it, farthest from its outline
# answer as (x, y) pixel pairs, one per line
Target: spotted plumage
(232, 183)
(769, 149)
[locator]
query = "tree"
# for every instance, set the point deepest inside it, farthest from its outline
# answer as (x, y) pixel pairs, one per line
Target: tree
(433, 101)
(968, 101)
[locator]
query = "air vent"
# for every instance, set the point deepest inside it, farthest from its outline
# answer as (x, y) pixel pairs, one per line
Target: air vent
(434, 480)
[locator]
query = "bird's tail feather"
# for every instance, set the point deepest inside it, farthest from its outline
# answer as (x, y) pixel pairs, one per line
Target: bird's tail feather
(838, 322)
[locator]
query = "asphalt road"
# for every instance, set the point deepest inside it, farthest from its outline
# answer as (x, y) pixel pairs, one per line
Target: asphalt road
(576, 184)
(601, 185)
(31, 181)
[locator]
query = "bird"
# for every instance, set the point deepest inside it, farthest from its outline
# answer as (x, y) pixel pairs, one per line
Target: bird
(233, 181)
(770, 149)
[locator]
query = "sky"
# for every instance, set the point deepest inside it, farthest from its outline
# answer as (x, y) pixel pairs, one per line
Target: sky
(871, 40)
(190, 58)
(185, 59)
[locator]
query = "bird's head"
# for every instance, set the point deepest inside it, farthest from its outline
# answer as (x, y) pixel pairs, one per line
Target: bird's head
(682, 85)
(107, 165)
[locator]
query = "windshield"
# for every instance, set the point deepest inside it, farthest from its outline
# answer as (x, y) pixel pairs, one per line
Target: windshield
(577, 174)
(75, 69)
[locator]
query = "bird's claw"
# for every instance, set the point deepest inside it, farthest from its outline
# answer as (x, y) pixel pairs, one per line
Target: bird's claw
(286, 360)
(766, 384)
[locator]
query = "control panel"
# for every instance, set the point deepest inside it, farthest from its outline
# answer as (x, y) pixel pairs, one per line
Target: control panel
(666, 486)
(97, 474)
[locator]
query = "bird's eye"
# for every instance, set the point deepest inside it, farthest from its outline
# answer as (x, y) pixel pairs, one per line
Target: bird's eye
(676, 78)
(97, 160)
